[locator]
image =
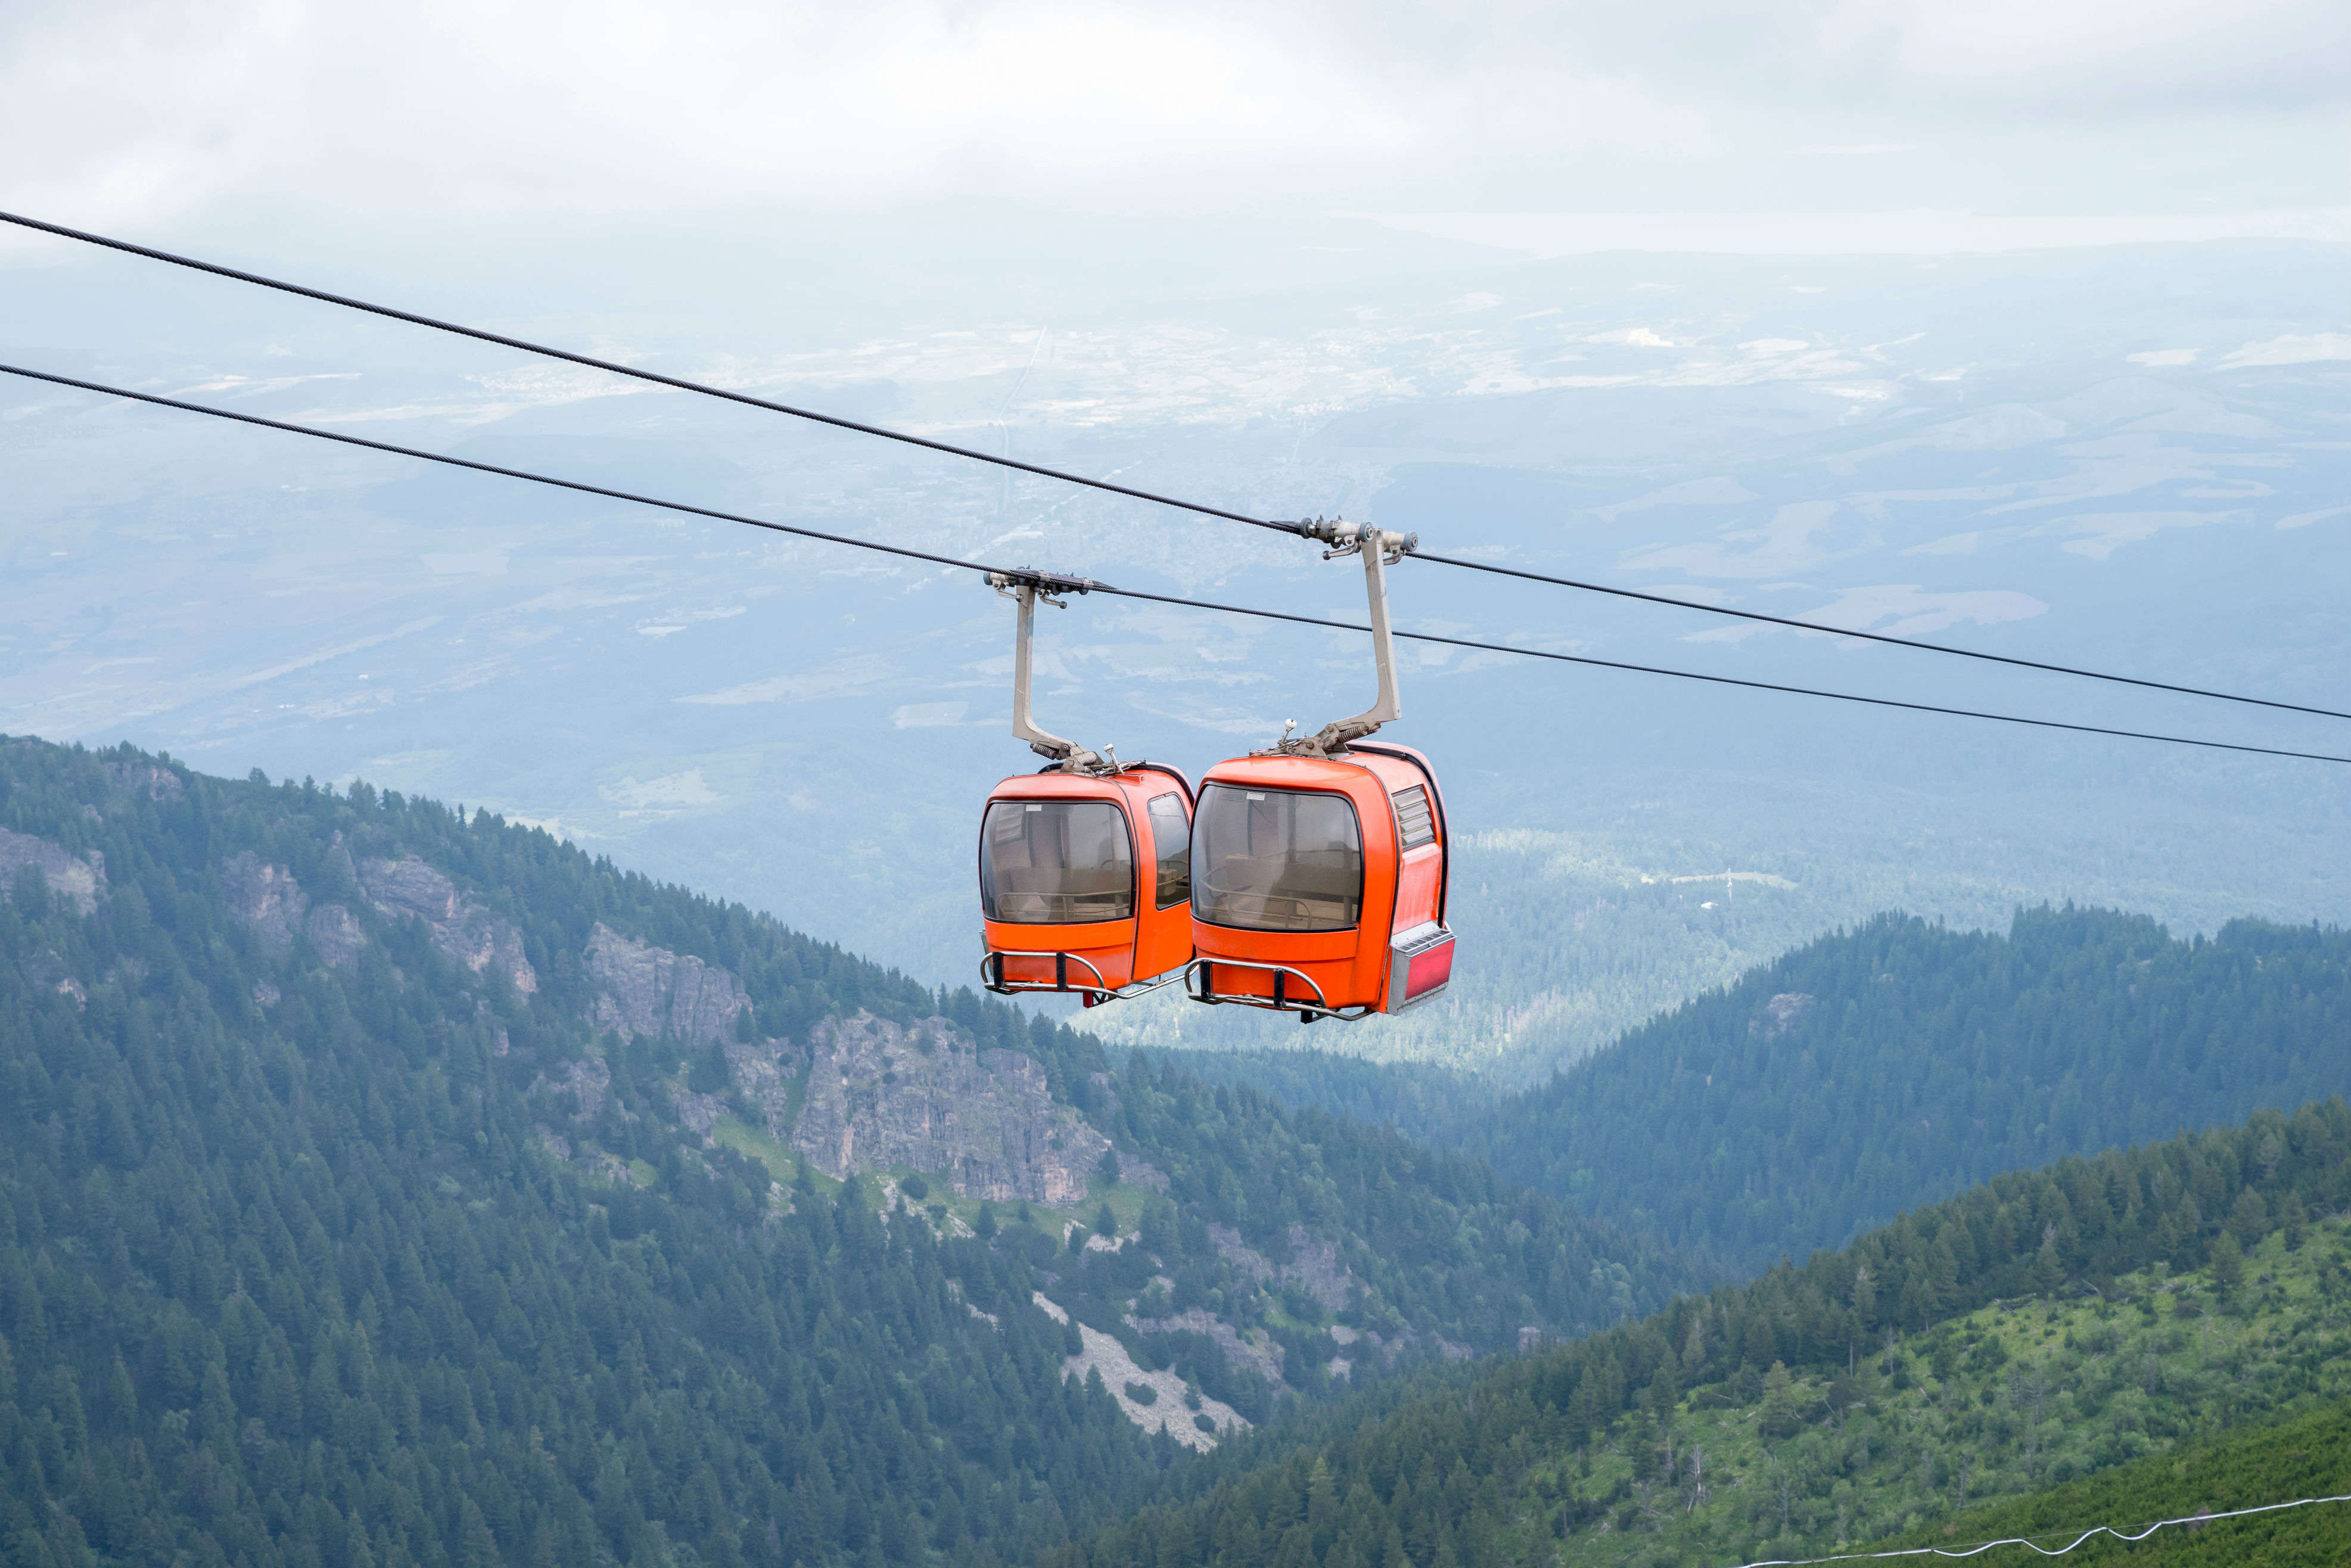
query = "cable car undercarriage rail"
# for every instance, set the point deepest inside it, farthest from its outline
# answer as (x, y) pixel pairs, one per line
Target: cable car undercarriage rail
(1279, 1002)
(991, 976)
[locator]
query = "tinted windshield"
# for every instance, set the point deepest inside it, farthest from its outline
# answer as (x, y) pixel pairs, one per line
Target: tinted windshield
(1055, 862)
(1276, 860)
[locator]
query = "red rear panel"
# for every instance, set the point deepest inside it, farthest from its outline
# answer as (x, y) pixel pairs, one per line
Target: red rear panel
(1420, 965)
(1428, 972)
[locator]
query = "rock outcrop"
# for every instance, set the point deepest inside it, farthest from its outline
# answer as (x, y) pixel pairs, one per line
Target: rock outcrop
(1781, 1014)
(78, 882)
(926, 1097)
(644, 989)
(336, 934)
(763, 1074)
(1314, 1265)
(148, 778)
(1254, 1265)
(588, 1081)
(266, 897)
(461, 927)
(1259, 1354)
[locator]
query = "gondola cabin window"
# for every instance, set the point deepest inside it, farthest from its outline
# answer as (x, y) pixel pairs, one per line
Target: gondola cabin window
(1056, 863)
(1276, 860)
(1171, 841)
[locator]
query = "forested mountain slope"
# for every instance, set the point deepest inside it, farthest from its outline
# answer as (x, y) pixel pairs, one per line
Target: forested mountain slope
(1429, 1103)
(2084, 1315)
(380, 1184)
(1884, 1068)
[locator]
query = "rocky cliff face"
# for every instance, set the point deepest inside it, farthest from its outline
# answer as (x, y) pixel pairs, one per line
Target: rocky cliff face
(148, 778)
(461, 927)
(644, 989)
(762, 1074)
(268, 898)
(872, 1095)
(265, 896)
(73, 880)
(926, 1097)
(336, 934)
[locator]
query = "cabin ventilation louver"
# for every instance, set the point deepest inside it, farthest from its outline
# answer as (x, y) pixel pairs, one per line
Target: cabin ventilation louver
(1415, 827)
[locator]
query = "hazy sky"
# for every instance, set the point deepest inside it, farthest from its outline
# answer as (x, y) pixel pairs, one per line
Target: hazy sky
(162, 114)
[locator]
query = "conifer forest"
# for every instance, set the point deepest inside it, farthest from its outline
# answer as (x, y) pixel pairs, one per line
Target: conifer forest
(384, 1185)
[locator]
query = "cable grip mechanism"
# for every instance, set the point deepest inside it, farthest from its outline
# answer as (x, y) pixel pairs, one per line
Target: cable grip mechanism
(1379, 550)
(1027, 588)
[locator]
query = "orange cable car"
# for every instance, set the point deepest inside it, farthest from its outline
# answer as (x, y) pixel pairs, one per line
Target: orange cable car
(1085, 872)
(1320, 865)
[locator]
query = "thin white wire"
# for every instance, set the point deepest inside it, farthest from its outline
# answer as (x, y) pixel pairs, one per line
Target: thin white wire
(2021, 1541)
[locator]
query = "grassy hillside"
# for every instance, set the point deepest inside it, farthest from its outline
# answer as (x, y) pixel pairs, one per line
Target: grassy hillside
(2308, 1456)
(2006, 1398)
(385, 1184)
(1870, 1389)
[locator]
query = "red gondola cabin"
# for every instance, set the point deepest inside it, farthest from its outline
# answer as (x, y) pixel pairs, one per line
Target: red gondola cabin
(1318, 884)
(1085, 881)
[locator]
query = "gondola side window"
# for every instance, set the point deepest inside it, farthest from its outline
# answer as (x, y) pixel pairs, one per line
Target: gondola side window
(1055, 862)
(1415, 825)
(1276, 860)
(1171, 840)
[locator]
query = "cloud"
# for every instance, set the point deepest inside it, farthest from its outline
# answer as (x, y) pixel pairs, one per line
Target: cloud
(141, 111)
(1904, 232)
(2150, 56)
(154, 108)
(2292, 349)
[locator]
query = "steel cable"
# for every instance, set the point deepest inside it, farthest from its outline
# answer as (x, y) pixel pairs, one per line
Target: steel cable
(1871, 636)
(1039, 470)
(614, 367)
(2198, 1520)
(1088, 585)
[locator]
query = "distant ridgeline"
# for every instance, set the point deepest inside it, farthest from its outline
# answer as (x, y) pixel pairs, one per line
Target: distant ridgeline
(2044, 1326)
(1876, 1070)
(385, 1184)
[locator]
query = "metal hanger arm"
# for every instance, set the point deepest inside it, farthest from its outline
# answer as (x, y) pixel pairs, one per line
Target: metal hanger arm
(1380, 550)
(1026, 589)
